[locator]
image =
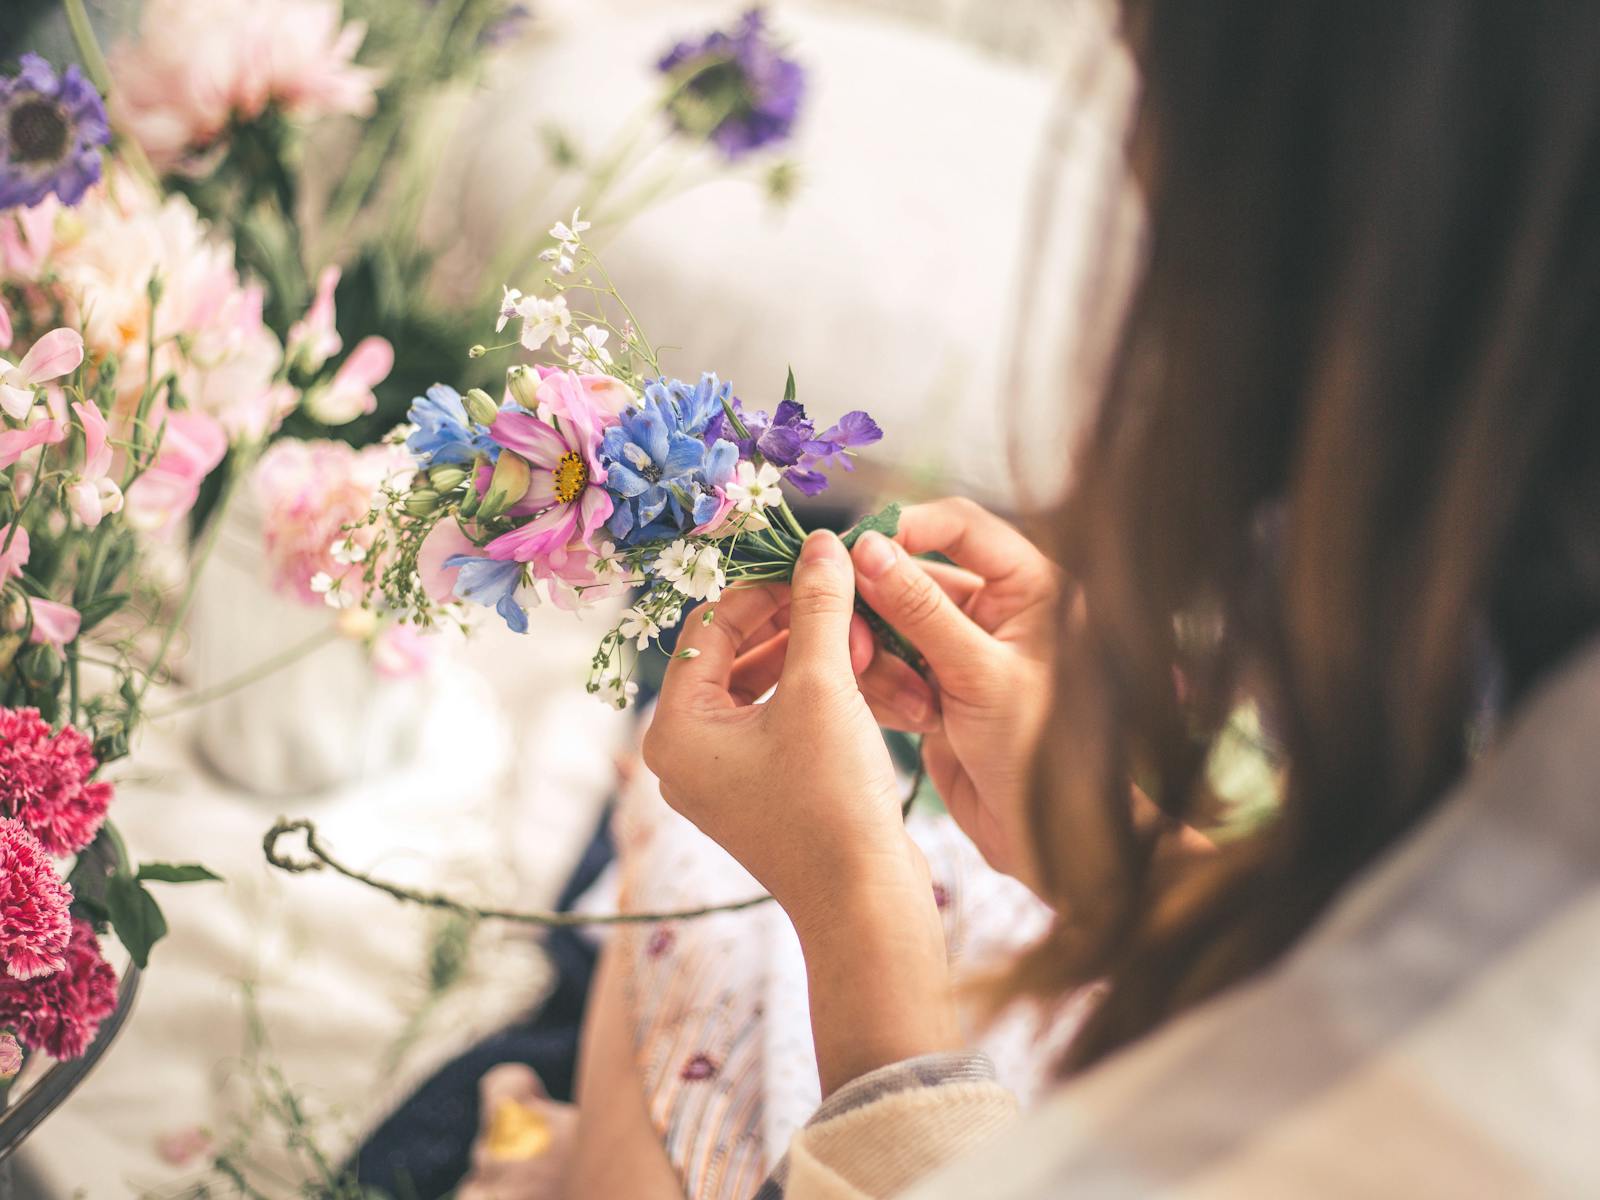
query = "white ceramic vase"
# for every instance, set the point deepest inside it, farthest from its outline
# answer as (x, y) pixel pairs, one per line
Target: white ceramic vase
(324, 721)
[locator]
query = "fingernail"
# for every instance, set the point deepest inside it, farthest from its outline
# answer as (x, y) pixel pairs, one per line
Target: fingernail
(874, 554)
(915, 704)
(816, 548)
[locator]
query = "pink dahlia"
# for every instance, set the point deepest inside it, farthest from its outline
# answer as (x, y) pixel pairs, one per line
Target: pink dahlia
(45, 781)
(60, 1013)
(34, 923)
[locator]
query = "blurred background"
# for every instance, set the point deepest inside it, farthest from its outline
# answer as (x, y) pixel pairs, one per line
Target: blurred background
(928, 241)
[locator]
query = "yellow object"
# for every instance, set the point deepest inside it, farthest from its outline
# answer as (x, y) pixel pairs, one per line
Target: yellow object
(516, 1133)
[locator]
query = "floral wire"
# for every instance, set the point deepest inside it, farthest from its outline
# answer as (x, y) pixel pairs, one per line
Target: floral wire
(322, 858)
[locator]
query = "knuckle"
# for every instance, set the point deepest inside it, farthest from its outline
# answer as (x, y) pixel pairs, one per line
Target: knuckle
(817, 597)
(919, 599)
(654, 750)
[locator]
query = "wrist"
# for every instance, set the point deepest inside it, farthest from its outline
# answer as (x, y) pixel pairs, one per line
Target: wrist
(878, 971)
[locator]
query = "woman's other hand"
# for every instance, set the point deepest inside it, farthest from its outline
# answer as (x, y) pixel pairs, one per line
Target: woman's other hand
(987, 629)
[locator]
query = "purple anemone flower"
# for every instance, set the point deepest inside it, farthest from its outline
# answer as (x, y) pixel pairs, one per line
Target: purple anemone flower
(734, 88)
(788, 439)
(51, 130)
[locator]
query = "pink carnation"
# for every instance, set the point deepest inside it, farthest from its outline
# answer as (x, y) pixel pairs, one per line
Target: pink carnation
(34, 923)
(10, 1056)
(309, 492)
(45, 781)
(60, 1013)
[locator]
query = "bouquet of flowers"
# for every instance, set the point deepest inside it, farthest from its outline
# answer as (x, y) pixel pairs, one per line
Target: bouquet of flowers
(592, 476)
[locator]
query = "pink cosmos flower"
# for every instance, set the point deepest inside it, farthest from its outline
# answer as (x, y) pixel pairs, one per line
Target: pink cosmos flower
(93, 494)
(55, 354)
(566, 481)
(314, 339)
(35, 925)
(309, 492)
(46, 781)
(349, 393)
(191, 448)
(187, 75)
(59, 1014)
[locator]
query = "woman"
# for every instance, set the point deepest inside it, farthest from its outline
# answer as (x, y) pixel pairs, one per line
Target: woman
(1347, 467)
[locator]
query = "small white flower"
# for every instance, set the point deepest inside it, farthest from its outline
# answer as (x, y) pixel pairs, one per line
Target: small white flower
(347, 550)
(673, 563)
(753, 489)
(321, 583)
(640, 626)
(703, 578)
(509, 299)
(589, 345)
(338, 599)
(568, 234)
(606, 561)
(560, 259)
(544, 320)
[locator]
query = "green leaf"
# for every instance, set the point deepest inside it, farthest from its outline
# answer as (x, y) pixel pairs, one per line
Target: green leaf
(99, 609)
(135, 916)
(885, 521)
(788, 388)
(176, 873)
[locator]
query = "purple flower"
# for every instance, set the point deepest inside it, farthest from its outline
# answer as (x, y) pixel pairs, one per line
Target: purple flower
(734, 88)
(51, 130)
(788, 439)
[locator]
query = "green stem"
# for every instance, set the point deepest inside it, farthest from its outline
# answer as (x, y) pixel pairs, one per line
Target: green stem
(208, 543)
(94, 62)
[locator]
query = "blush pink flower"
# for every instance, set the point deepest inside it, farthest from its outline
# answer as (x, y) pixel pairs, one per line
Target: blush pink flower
(46, 781)
(349, 393)
(314, 339)
(191, 448)
(187, 75)
(35, 924)
(13, 556)
(309, 491)
(444, 541)
(53, 623)
(14, 443)
(402, 652)
(59, 1014)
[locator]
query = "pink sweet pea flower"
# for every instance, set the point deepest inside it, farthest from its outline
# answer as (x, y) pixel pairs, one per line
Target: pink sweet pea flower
(14, 443)
(15, 556)
(315, 339)
(56, 354)
(54, 624)
(93, 495)
(349, 394)
(191, 448)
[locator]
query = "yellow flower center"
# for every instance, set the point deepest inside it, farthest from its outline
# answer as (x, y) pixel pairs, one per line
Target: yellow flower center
(572, 476)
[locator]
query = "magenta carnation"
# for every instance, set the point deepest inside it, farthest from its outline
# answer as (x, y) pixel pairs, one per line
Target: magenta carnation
(34, 922)
(60, 1013)
(45, 781)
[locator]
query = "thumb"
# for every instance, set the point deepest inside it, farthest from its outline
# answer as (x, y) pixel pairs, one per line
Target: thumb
(821, 605)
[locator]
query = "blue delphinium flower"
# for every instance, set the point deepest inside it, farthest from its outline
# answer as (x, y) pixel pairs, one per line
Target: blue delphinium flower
(659, 468)
(493, 584)
(788, 439)
(51, 130)
(734, 88)
(445, 434)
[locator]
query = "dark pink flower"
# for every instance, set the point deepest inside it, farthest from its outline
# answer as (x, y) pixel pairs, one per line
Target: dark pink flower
(60, 1013)
(34, 923)
(45, 781)
(10, 1057)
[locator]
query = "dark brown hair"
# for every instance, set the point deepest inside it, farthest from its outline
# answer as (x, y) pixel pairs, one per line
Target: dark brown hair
(1352, 429)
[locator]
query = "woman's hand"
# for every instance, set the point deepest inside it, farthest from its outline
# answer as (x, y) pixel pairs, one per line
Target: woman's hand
(987, 629)
(801, 790)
